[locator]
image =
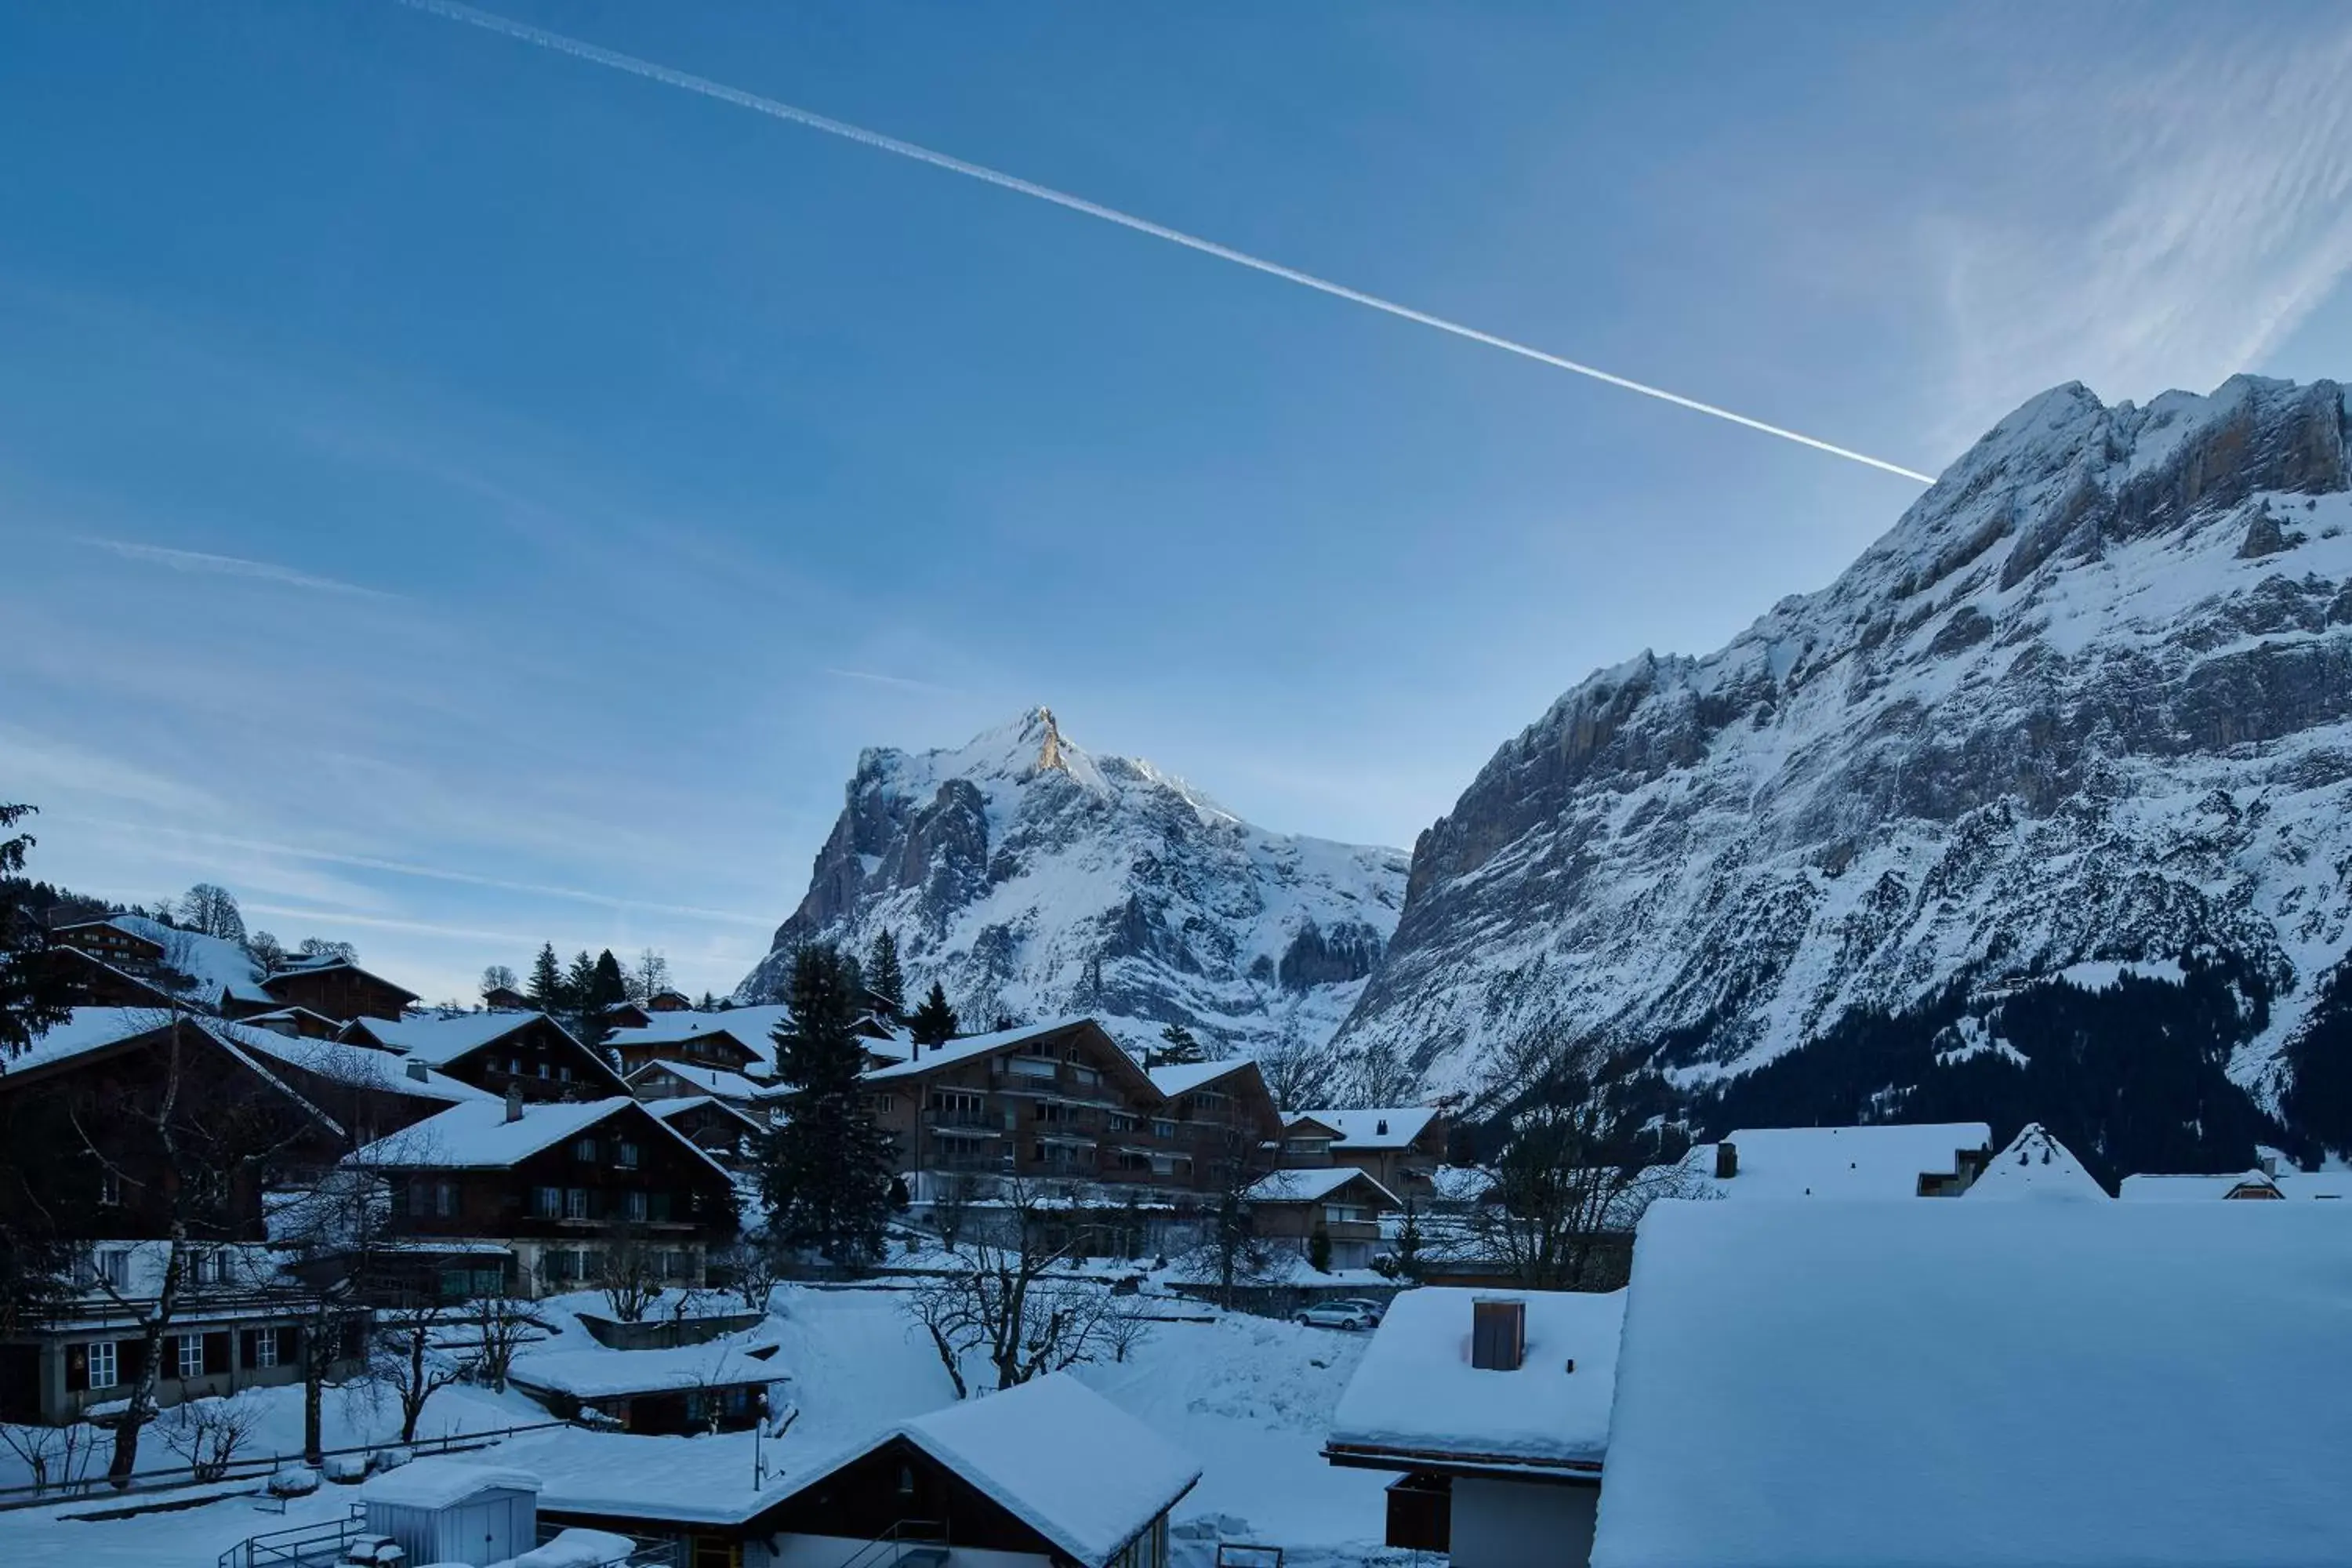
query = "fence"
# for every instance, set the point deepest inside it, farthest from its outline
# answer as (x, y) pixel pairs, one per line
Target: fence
(257, 1469)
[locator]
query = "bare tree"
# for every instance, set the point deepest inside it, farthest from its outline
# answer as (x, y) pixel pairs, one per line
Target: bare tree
(405, 1356)
(1582, 1159)
(1228, 1247)
(1003, 1300)
(53, 1456)
(750, 1269)
(266, 950)
(207, 1433)
(501, 1327)
(1126, 1328)
(630, 1275)
(648, 976)
(1297, 1072)
(499, 977)
(211, 910)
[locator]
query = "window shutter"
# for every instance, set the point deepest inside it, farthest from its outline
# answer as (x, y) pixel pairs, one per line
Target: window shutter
(289, 1346)
(216, 1352)
(246, 1353)
(76, 1368)
(130, 1360)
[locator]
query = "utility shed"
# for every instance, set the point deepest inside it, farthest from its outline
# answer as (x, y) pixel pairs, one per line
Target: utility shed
(447, 1510)
(1983, 1385)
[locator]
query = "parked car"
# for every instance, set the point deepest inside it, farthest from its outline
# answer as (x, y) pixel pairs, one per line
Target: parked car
(1373, 1311)
(1347, 1315)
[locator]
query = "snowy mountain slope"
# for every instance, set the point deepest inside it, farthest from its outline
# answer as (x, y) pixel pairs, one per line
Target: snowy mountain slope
(2089, 701)
(1033, 877)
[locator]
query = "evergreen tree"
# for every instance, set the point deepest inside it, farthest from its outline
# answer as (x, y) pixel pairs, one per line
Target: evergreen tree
(882, 975)
(828, 1172)
(579, 988)
(1181, 1047)
(1318, 1249)
(1408, 1245)
(609, 987)
(934, 1023)
(28, 1002)
(546, 988)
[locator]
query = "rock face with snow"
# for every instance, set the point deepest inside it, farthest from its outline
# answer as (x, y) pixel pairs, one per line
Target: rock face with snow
(2088, 703)
(1030, 877)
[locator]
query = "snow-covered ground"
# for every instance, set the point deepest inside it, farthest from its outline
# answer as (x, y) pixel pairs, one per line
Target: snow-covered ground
(1249, 1398)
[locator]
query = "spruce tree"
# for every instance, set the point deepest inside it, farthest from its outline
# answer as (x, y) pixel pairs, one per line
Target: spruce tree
(546, 988)
(29, 1002)
(579, 988)
(933, 1023)
(827, 1169)
(1408, 1245)
(883, 977)
(1181, 1047)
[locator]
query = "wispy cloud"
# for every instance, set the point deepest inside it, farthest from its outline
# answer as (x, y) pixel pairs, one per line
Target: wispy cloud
(903, 683)
(2185, 213)
(434, 873)
(233, 566)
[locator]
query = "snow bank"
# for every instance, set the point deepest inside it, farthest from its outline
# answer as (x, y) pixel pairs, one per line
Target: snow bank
(1884, 1162)
(1933, 1383)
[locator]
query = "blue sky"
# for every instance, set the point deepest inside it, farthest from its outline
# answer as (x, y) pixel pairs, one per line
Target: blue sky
(459, 496)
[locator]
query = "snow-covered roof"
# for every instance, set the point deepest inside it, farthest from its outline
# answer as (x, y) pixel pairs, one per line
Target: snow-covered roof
(1391, 1127)
(326, 963)
(1309, 1186)
(710, 1080)
(87, 1030)
(607, 1373)
(2036, 1165)
(354, 1064)
(1850, 1385)
(443, 1483)
(1881, 1162)
(2334, 1185)
(1063, 1460)
(477, 1135)
(750, 1026)
(443, 1040)
(216, 963)
(579, 1548)
(679, 1105)
(933, 1057)
(1184, 1078)
(1416, 1393)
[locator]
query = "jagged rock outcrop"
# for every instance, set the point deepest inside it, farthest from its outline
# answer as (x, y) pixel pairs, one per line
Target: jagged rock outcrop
(2089, 700)
(1033, 877)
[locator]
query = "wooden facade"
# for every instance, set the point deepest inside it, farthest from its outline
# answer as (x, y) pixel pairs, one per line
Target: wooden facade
(110, 943)
(717, 1048)
(536, 1058)
(625, 1178)
(342, 991)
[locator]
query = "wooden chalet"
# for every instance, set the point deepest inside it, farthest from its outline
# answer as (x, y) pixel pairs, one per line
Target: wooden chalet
(79, 1114)
(530, 1053)
(507, 999)
(86, 980)
(717, 1128)
(735, 1040)
(337, 988)
(669, 1002)
(563, 1184)
(1339, 1203)
(115, 944)
(720, 1386)
(1400, 1147)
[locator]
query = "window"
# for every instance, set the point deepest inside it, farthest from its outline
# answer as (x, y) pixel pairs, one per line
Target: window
(542, 1068)
(575, 1203)
(188, 1358)
(632, 1204)
(102, 1365)
(624, 1155)
(1033, 1067)
(564, 1075)
(882, 1104)
(109, 1187)
(265, 1347)
(514, 1066)
(547, 1202)
(453, 1284)
(1085, 1074)
(114, 1267)
(585, 1149)
(659, 1208)
(1122, 1122)
(1162, 1129)
(445, 1198)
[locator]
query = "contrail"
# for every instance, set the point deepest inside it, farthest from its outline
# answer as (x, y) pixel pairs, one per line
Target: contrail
(780, 110)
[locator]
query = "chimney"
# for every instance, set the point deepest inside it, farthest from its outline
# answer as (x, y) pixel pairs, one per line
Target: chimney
(419, 1071)
(2270, 1164)
(1498, 1333)
(1382, 1129)
(1727, 1161)
(514, 1103)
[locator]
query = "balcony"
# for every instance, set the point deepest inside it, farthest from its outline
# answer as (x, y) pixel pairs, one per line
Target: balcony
(965, 1121)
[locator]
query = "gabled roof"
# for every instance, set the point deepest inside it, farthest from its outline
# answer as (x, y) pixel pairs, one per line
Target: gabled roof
(359, 1066)
(1061, 1459)
(1416, 1400)
(477, 1135)
(1393, 1127)
(602, 1374)
(972, 1047)
(2168, 1189)
(2036, 1165)
(1310, 1186)
(679, 1105)
(750, 1027)
(706, 1080)
(298, 969)
(1941, 1385)
(1184, 1078)
(442, 1041)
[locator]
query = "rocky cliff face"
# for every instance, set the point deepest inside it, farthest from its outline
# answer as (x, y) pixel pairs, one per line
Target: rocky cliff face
(2085, 713)
(1033, 877)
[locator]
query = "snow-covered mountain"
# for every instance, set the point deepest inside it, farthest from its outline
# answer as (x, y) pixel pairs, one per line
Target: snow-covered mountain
(1031, 877)
(2085, 712)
